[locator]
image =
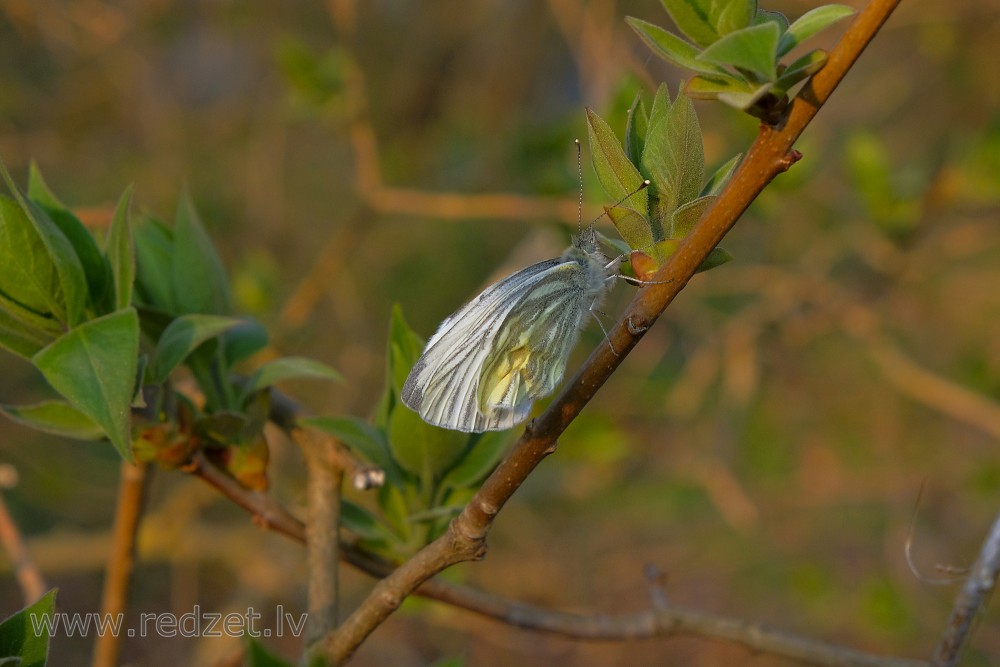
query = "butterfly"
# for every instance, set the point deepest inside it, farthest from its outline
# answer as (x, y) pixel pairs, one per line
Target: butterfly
(487, 363)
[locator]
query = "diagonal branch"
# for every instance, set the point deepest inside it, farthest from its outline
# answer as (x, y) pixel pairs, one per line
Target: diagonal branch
(977, 588)
(663, 621)
(770, 155)
(121, 561)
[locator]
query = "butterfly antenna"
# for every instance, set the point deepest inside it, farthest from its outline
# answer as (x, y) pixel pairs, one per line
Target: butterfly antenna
(642, 186)
(579, 174)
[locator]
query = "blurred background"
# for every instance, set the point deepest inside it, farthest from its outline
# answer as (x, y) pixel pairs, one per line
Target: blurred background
(766, 444)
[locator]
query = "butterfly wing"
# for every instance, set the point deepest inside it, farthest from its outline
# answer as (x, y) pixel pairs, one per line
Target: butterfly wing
(489, 361)
(443, 386)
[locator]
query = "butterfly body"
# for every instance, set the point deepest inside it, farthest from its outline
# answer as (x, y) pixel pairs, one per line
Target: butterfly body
(507, 347)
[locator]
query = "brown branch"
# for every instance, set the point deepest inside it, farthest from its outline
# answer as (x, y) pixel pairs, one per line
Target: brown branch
(770, 155)
(663, 621)
(28, 575)
(976, 590)
(121, 560)
(322, 531)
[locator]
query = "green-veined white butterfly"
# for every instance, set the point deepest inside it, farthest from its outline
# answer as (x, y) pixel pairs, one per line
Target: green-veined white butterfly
(489, 361)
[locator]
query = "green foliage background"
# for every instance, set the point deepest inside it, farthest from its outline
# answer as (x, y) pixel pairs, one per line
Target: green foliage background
(765, 444)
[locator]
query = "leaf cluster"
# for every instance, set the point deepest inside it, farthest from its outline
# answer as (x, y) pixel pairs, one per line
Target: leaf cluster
(109, 322)
(735, 49)
(662, 145)
(431, 472)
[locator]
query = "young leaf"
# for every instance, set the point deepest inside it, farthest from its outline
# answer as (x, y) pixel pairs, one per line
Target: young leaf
(244, 340)
(288, 368)
(732, 15)
(27, 274)
(258, 656)
(811, 23)
(21, 338)
(805, 66)
(632, 226)
(154, 252)
(70, 283)
(199, 279)
(55, 417)
(692, 18)
(121, 251)
(616, 173)
(94, 267)
(671, 48)
(779, 19)
(635, 129)
(363, 523)
(687, 216)
(424, 450)
(181, 338)
(674, 158)
(718, 180)
(752, 49)
(25, 635)
(483, 455)
(94, 367)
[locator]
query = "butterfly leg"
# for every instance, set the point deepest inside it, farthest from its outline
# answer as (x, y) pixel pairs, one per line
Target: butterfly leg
(595, 312)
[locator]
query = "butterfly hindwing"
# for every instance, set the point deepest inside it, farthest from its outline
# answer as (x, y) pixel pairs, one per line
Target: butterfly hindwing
(487, 363)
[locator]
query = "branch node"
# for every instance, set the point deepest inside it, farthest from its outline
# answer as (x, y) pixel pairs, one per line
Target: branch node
(790, 158)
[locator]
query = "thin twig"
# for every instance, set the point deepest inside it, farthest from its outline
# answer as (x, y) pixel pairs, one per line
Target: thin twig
(322, 531)
(121, 560)
(977, 588)
(28, 575)
(660, 622)
(770, 155)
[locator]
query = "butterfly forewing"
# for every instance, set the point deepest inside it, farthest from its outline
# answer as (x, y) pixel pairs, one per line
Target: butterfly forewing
(487, 363)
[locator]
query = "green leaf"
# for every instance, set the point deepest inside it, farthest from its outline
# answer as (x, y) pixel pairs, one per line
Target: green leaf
(181, 338)
(736, 93)
(94, 367)
(70, 284)
(692, 18)
(258, 656)
(404, 348)
(244, 340)
(21, 338)
(363, 523)
(616, 173)
(717, 257)
(718, 180)
(25, 635)
(752, 49)
(635, 129)
(364, 440)
(56, 417)
(154, 252)
(664, 249)
(395, 511)
(674, 158)
(95, 269)
(120, 250)
(424, 450)
(731, 15)
(671, 48)
(481, 458)
(632, 226)
(802, 68)
(288, 368)
(777, 18)
(199, 279)
(687, 216)
(811, 23)
(27, 275)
